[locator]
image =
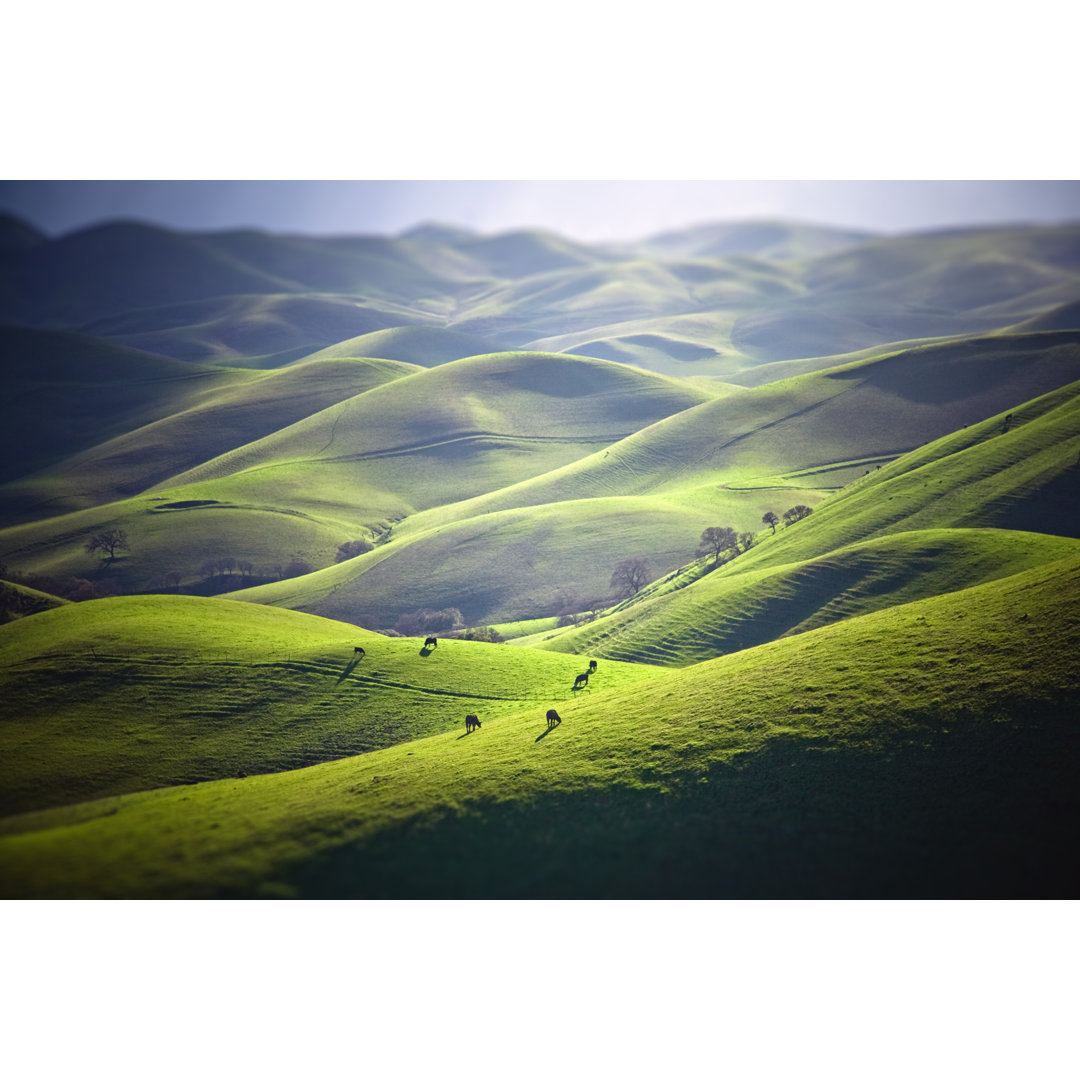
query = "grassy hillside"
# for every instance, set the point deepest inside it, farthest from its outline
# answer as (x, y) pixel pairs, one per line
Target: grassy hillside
(981, 480)
(100, 389)
(876, 701)
(17, 601)
(1016, 470)
(273, 328)
(514, 564)
(925, 750)
(131, 693)
(447, 433)
(725, 612)
(423, 345)
(221, 414)
(779, 240)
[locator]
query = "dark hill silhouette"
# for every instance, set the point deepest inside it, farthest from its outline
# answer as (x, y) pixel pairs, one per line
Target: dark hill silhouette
(280, 328)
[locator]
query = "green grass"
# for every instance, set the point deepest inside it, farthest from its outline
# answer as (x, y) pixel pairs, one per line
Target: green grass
(198, 416)
(129, 693)
(726, 610)
(925, 750)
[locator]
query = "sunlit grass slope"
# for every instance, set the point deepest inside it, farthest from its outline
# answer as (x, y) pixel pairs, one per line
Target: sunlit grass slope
(131, 693)
(819, 430)
(1016, 470)
(226, 413)
(1017, 475)
(507, 565)
(725, 612)
(167, 534)
(450, 432)
(928, 750)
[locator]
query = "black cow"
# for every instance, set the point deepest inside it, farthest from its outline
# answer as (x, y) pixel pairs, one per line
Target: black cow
(553, 718)
(359, 651)
(471, 722)
(581, 680)
(592, 666)
(432, 642)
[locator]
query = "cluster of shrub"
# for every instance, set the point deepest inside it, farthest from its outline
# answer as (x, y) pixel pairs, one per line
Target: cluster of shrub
(15, 604)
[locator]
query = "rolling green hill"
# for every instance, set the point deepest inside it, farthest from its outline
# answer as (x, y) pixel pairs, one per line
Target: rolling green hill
(426, 346)
(724, 613)
(925, 750)
(215, 415)
(875, 701)
(271, 329)
(129, 693)
(936, 519)
(99, 389)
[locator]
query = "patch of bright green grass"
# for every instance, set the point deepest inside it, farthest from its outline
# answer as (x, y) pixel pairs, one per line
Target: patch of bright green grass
(922, 751)
(725, 612)
(129, 693)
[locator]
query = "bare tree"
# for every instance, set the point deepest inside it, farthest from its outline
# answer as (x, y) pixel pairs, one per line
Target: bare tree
(717, 539)
(630, 576)
(108, 543)
(770, 519)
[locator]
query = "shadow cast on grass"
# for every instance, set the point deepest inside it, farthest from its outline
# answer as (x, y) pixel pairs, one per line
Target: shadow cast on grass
(348, 670)
(981, 810)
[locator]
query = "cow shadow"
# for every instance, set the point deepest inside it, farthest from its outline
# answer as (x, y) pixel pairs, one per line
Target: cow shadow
(427, 650)
(546, 732)
(348, 670)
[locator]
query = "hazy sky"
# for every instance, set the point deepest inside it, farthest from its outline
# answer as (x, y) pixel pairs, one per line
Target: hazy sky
(586, 209)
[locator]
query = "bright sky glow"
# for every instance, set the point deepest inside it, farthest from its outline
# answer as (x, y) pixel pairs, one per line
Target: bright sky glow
(590, 210)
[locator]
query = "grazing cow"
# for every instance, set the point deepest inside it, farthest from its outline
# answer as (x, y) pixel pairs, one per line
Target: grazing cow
(359, 651)
(592, 666)
(472, 722)
(581, 680)
(432, 641)
(553, 718)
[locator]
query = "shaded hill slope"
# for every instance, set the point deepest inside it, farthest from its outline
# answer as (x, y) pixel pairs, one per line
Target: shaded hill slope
(231, 411)
(924, 751)
(779, 240)
(122, 267)
(99, 389)
(427, 346)
(273, 328)
(496, 567)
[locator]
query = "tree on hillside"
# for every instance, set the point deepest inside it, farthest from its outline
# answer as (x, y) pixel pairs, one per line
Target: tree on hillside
(770, 519)
(717, 539)
(746, 540)
(108, 543)
(297, 568)
(630, 576)
(351, 548)
(797, 513)
(481, 633)
(427, 621)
